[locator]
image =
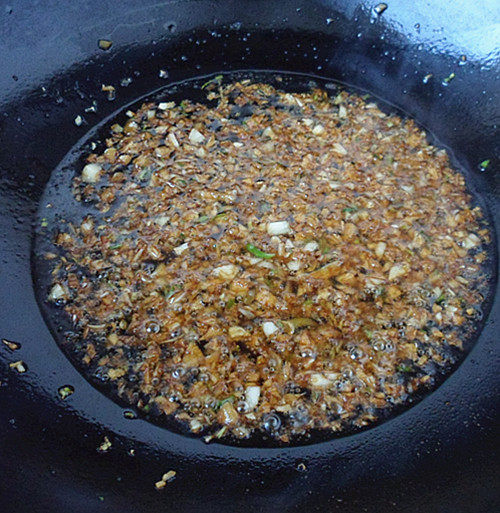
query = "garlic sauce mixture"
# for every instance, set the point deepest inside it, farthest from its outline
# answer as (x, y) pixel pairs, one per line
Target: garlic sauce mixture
(271, 261)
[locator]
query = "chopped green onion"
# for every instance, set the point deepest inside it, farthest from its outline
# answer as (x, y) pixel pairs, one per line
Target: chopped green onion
(168, 292)
(350, 209)
(65, 391)
(229, 399)
(404, 368)
(215, 80)
(257, 252)
(323, 246)
(484, 164)
(220, 216)
(449, 78)
(425, 236)
(145, 174)
(440, 299)
(221, 432)
(230, 303)
(202, 219)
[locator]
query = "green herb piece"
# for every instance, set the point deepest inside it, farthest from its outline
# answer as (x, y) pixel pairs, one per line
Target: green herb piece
(44, 222)
(351, 209)
(216, 80)
(65, 391)
(183, 105)
(368, 333)
(440, 299)
(229, 399)
(145, 174)
(230, 303)
(323, 246)
(116, 245)
(308, 302)
(105, 445)
(220, 216)
(129, 414)
(146, 408)
(169, 291)
(202, 219)
(257, 252)
(484, 164)
(449, 78)
(101, 498)
(425, 236)
(404, 368)
(221, 432)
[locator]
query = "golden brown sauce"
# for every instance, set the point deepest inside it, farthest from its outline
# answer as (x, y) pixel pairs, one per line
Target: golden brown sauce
(279, 262)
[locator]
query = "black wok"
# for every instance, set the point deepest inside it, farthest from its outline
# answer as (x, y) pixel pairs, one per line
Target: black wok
(440, 455)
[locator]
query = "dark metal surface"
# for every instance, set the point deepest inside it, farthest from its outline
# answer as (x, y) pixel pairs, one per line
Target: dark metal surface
(440, 456)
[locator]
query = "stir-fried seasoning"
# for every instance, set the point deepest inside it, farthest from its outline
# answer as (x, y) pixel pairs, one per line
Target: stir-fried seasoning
(271, 261)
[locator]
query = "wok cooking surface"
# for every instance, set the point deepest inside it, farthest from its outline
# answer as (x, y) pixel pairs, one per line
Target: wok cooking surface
(437, 456)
